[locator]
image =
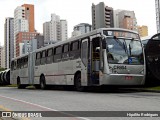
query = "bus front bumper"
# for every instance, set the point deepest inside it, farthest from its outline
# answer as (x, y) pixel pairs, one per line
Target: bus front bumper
(122, 79)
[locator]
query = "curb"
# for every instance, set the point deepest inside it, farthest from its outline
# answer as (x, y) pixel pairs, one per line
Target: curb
(156, 91)
(143, 90)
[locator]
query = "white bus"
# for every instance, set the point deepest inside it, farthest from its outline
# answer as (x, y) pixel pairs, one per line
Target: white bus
(106, 56)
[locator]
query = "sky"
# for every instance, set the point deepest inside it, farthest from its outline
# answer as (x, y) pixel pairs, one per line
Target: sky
(78, 11)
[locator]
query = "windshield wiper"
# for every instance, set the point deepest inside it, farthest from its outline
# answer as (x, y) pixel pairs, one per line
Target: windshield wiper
(130, 52)
(123, 46)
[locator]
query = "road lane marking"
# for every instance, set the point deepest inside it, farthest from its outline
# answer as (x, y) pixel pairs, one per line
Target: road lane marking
(6, 109)
(3, 108)
(40, 106)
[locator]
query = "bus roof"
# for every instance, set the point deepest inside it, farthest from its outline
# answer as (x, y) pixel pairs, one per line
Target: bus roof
(83, 36)
(20, 56)
(94, 32)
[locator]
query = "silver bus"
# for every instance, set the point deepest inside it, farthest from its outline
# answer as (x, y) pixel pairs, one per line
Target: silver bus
(106, 56)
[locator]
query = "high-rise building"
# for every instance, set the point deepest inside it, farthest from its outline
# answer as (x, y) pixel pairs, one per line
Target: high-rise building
(28, 46)
(21, 37)
(29, 15)
(2, 57)
(64, 31)
(55, 30)
(40, 40)
(1, 48)
(143, 30)
(157, 5)
(116, 18)
(8, 41)
(23, 22)
(81, 29)
(20, 23)
(46, 31)
(102, 16)
(125, 19)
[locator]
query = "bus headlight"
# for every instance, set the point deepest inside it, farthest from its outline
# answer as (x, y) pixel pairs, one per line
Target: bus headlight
(142, 71)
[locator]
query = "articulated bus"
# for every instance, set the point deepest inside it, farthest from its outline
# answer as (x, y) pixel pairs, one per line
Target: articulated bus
(106, 56)
(152, 53)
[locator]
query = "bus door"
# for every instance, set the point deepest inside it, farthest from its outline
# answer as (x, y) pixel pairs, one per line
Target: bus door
(95, 61)
(84, 64)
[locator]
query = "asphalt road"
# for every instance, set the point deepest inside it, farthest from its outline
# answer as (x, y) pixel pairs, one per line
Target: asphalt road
(13, 99)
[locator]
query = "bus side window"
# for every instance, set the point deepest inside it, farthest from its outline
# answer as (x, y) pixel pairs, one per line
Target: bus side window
(38, 56)
(49, 56)
(19, 63)
(74, 50)
(43, 58)
(12, 65)
(57, 54)
(22, 62)
(26, 62)
(15, 65)
(65, 52)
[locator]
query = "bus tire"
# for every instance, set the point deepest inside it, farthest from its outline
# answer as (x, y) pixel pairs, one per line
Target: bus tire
(19, 86)
(43, 82)
(77, 83)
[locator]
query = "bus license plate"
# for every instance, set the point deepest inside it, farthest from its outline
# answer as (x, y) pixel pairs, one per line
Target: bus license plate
(128, 77)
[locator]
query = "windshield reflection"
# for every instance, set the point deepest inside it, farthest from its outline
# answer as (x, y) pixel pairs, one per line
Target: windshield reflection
(126, 51)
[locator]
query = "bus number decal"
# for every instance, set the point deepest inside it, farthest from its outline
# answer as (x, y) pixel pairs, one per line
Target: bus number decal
(118, 67)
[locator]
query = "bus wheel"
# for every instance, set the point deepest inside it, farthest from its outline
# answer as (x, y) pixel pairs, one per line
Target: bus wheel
(77, 83)
(19, 84)
(42, 82)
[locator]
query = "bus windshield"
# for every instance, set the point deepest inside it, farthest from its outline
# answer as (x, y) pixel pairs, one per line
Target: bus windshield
(124, 51)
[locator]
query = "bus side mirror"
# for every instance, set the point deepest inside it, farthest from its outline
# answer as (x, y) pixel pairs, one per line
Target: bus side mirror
(104, 44)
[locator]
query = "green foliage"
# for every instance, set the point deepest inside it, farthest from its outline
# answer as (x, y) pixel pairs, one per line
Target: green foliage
(154, 88)
(13, 85)
(1, 69)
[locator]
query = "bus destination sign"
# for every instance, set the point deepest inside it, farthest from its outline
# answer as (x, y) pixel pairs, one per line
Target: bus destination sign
(121, 34)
